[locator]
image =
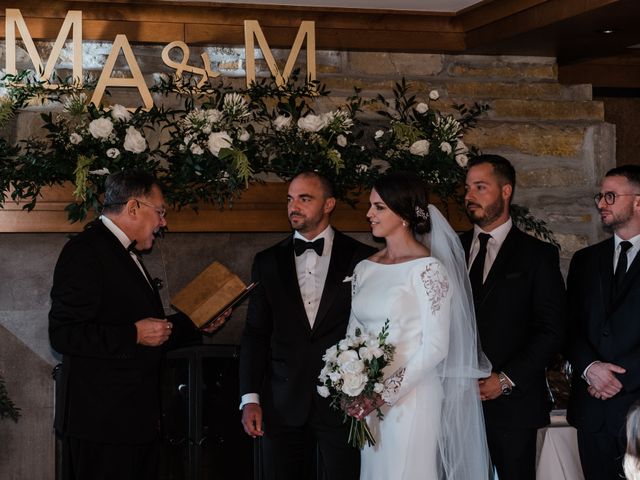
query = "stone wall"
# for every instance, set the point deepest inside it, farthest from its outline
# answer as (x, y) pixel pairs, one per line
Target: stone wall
(555, 135)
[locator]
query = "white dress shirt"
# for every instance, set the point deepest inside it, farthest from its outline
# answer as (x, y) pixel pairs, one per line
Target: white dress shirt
(124, 240)
(498, 235)
(312, 272)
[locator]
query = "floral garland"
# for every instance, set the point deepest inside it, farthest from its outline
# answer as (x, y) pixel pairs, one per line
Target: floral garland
(221, 140)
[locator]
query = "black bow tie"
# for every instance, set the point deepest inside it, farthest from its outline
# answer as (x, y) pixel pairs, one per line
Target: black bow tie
(299, 246)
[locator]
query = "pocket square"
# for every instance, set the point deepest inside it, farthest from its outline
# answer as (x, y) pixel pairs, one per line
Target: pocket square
(347, 279)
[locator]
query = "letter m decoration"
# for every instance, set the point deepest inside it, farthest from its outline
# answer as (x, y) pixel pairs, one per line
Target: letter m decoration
(73, 20)
(252, 30)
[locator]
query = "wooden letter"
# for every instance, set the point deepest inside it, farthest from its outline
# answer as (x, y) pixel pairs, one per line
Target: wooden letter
(252, 28)
(72, 20)
(137, 80)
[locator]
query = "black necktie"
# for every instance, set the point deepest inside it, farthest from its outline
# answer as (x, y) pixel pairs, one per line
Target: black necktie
(155, 283)
(621, 267)
(476, 273)
(300, 246)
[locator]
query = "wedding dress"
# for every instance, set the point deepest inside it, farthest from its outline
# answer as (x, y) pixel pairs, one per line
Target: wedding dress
(433, 426)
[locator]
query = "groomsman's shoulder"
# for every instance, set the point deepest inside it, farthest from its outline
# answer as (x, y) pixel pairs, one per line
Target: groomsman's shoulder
(592, 251)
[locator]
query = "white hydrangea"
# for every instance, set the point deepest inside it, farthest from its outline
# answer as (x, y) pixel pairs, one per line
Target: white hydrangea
(101, 128)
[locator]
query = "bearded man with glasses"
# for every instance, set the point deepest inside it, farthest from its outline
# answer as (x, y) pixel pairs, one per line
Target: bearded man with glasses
(108, 322)
(604, 346)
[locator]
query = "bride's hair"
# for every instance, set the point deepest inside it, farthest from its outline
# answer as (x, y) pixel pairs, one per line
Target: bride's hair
(407, 196)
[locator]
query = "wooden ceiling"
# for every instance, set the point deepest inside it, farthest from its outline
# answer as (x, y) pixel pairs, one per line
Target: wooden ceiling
(571, 30)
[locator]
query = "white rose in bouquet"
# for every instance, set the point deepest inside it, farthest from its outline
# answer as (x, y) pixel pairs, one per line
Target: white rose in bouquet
(134, 141)
(120, 113)
(101, 128)
(346, 356)
(352, 367)
(214, 115)
(353, 384)
(434, 95)
(446, 147)
(378, 387)
(323, 391)
(75, 138)
(312, 123)
(196, 149)
(422, 108)
(421, 147)
(218, 141)
(331, 354)
(244, 136)
(341, 140)
(462, 160)
(113, 152)
(281, 122)
(461, 147)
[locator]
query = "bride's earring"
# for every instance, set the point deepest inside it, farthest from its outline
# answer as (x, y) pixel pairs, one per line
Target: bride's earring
(405, 224)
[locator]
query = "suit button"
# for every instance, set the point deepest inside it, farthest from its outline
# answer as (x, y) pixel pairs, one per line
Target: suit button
(605, 333)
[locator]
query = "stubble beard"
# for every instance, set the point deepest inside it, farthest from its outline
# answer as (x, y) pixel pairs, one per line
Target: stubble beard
(492, 212)
(617, 221)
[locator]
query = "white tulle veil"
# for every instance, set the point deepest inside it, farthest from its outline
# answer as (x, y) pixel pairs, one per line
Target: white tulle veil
(462, 446)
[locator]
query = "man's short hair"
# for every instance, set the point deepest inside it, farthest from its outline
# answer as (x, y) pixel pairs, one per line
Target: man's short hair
(122, 186)
(327, 186)
(501, 167)
(630, 172)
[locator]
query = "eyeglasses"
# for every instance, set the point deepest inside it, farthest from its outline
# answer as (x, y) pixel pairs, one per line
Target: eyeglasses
(610, 197)
(160, 211)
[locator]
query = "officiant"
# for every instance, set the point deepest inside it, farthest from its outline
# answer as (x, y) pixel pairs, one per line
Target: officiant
(108, 322)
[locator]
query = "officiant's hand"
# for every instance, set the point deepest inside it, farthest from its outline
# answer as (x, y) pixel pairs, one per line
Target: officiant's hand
(153, 332)
(218, 322)
(490, 387)
(252, 420)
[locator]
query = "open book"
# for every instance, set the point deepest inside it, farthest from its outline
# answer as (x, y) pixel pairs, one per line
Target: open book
(210, 294)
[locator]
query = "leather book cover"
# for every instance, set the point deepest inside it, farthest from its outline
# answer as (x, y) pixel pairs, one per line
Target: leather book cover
(210, 294)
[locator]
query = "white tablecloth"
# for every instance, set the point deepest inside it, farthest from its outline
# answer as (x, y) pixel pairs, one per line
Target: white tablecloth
(558, 457)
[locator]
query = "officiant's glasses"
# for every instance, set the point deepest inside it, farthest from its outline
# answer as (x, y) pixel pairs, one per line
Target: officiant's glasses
(610, 197)
(160, 211)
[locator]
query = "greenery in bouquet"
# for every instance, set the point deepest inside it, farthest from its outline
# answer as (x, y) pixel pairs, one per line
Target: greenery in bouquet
(211, 148)
(353, 373)
(295, 138)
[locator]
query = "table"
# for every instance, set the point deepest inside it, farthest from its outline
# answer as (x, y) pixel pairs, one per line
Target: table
(557, 454)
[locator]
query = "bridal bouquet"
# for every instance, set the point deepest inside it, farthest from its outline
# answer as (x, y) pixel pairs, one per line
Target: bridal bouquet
(352, 375)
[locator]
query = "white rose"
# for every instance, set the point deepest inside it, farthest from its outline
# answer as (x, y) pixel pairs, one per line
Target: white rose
(377, 352)
(353, 367)
(113, 152)
(312, 123)
(341, 140)
(134, 141)
(461, 147)
(354, 384)
(244, 136)
(365, 353)
(331, 354)
(120, 113)
(196, 149)
(281, 122)
(379, 134)
(206, 129)
(462, 160)
(219, 140)
(445, 147)
(421, 147)
(214, 115)
(101, 171)
(344, 344)
(422, 108)
(101, 127)
(346, 356)
(378, 387)
(323, 391)
(335, 376)
(75, 138)
(434, 95)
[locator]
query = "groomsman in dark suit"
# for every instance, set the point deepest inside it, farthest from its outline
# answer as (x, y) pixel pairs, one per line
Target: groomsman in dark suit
(300, 308)
(519, 300)
(604, 341)
(107, 321)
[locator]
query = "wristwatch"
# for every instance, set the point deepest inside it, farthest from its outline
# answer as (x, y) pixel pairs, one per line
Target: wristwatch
(505, 384)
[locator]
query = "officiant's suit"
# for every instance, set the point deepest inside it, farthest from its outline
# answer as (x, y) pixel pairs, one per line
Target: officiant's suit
(520, 313)
(281, 353)
(606, 328)
(108, 384)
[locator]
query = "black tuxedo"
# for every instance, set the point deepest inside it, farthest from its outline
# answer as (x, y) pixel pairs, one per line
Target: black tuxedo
(520, 313)
(281, 355)
(109, 385)
(607, 329)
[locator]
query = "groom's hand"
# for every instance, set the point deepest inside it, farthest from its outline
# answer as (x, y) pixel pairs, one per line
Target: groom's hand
(490, 387)
(252, 420)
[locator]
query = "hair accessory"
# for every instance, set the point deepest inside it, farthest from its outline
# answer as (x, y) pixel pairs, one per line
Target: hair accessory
(421, 214)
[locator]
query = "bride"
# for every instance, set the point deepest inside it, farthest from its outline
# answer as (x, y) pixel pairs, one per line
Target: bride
(433, 426)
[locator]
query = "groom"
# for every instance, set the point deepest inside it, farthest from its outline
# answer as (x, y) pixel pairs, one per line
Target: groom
(299, 308)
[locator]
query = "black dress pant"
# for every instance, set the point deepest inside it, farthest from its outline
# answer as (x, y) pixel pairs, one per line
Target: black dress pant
(89, 460)
(601, 455)
(513, 452)
(288, 453)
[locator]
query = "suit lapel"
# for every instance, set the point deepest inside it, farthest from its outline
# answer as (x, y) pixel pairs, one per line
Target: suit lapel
(499, 267)
(340, 260)
(289, 277)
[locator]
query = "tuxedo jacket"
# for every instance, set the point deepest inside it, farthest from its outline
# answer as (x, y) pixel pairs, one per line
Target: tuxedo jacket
(281, 355)
(604, 327)
(520, 312)
(109, 385)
